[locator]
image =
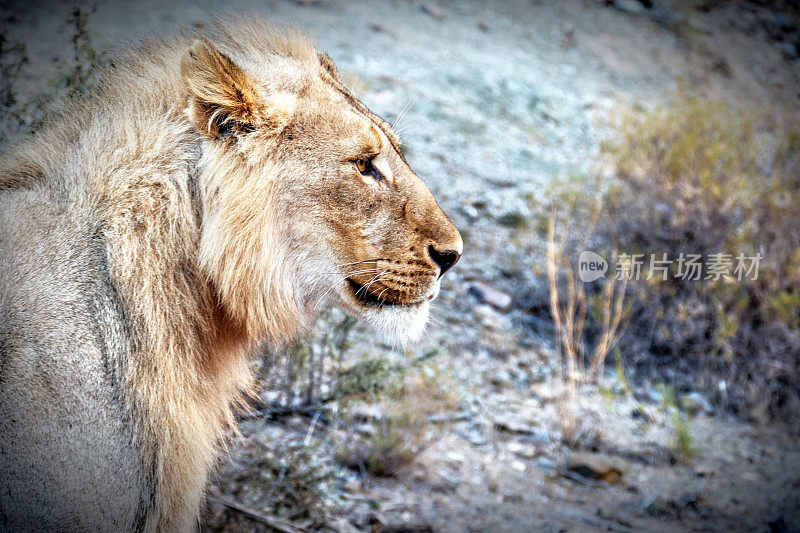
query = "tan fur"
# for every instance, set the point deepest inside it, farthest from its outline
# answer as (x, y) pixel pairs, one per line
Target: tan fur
(206, 198)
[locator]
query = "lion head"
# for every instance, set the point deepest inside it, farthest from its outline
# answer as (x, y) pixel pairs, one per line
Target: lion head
(308, 200)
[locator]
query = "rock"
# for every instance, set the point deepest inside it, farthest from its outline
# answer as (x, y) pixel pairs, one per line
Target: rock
(501, 378)
(703, 470)
(368, 413)
(695, 403)
(433, 10)
(474, 434)
(443, 480)
(364, 429)
(489, 295)
(595, 466)
(643, 413)
(632, 7)
(648, 394)
(353, 486)
(489, 317)
(470, 211)
(545, 463)
(525, 451)
(512, 426)
(342, 525)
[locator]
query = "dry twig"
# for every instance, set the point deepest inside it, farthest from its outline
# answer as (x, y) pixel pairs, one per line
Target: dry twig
(277, 524)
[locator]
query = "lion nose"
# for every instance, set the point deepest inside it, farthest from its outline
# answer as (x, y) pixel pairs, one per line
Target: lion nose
(445, 259)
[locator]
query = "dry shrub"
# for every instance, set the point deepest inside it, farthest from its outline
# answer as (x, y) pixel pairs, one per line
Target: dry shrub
(701, 177)
(581, 345)
(310, 372)
(403, 429)
(284, 476)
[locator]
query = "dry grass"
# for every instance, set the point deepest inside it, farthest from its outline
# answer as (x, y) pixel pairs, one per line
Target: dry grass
(698, 176)
(569, 307)
(402, 428)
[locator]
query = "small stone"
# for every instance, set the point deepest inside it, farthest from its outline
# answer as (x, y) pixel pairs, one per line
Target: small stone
(522, 450)
(474, 435)
(488, 316)
(364, 429)
(433, 10)
(545, 463)
(455, 457)
(353, 486)
(501, 378)
(489, 295)
(648, 394)
(471, 211)
(513, 426)
(703, 470)
(595, 466)
(444, 481)
(632, 7)
(695, 403)
(643, 413)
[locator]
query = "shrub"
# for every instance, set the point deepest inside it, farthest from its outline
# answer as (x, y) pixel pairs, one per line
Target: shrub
(407, 402)
(702, 177)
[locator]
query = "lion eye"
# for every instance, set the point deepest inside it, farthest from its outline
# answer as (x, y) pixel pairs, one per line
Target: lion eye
(366, 168)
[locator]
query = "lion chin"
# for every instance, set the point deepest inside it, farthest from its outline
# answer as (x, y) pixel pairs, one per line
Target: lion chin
(399, 325)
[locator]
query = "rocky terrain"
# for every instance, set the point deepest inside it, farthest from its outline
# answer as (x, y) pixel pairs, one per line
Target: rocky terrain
(493, 102)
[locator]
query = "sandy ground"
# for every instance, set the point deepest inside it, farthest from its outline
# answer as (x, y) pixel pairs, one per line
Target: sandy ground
(496, 100)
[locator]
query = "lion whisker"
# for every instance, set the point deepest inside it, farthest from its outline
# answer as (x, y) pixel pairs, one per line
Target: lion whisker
(405, 109)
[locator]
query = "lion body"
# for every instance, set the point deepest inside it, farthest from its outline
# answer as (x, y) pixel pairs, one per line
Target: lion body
(105, 368)
(138, 265)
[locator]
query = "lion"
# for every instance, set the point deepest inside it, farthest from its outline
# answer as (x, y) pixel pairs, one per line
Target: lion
(215, 192)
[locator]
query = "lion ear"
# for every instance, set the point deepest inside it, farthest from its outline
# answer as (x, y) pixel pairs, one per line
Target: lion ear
(327, 63)
(225, 100)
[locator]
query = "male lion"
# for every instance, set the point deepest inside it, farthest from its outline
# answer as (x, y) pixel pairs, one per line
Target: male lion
(212, 194)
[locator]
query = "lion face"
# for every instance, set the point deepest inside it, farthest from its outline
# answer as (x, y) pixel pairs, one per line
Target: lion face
(357, 226)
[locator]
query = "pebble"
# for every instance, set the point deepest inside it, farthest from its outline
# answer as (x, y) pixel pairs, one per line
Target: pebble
(703, 470)
(595, 466)
(524, 451)
(695, 403)
(643, 413)
(353, 486)
(489, 295)
(632, 7)
(473, 435)
(489, 317)
(470, 211)
(501, 378)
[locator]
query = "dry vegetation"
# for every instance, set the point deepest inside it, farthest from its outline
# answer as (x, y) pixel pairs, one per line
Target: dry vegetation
(365, 414)
(699, 176)
(569, 307)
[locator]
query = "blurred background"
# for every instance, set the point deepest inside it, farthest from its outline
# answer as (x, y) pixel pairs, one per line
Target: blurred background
(539, 399)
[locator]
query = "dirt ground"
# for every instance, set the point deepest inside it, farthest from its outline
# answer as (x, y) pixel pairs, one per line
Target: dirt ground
(497, 99)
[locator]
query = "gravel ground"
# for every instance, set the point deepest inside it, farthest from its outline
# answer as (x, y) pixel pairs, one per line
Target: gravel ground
(493, 101)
